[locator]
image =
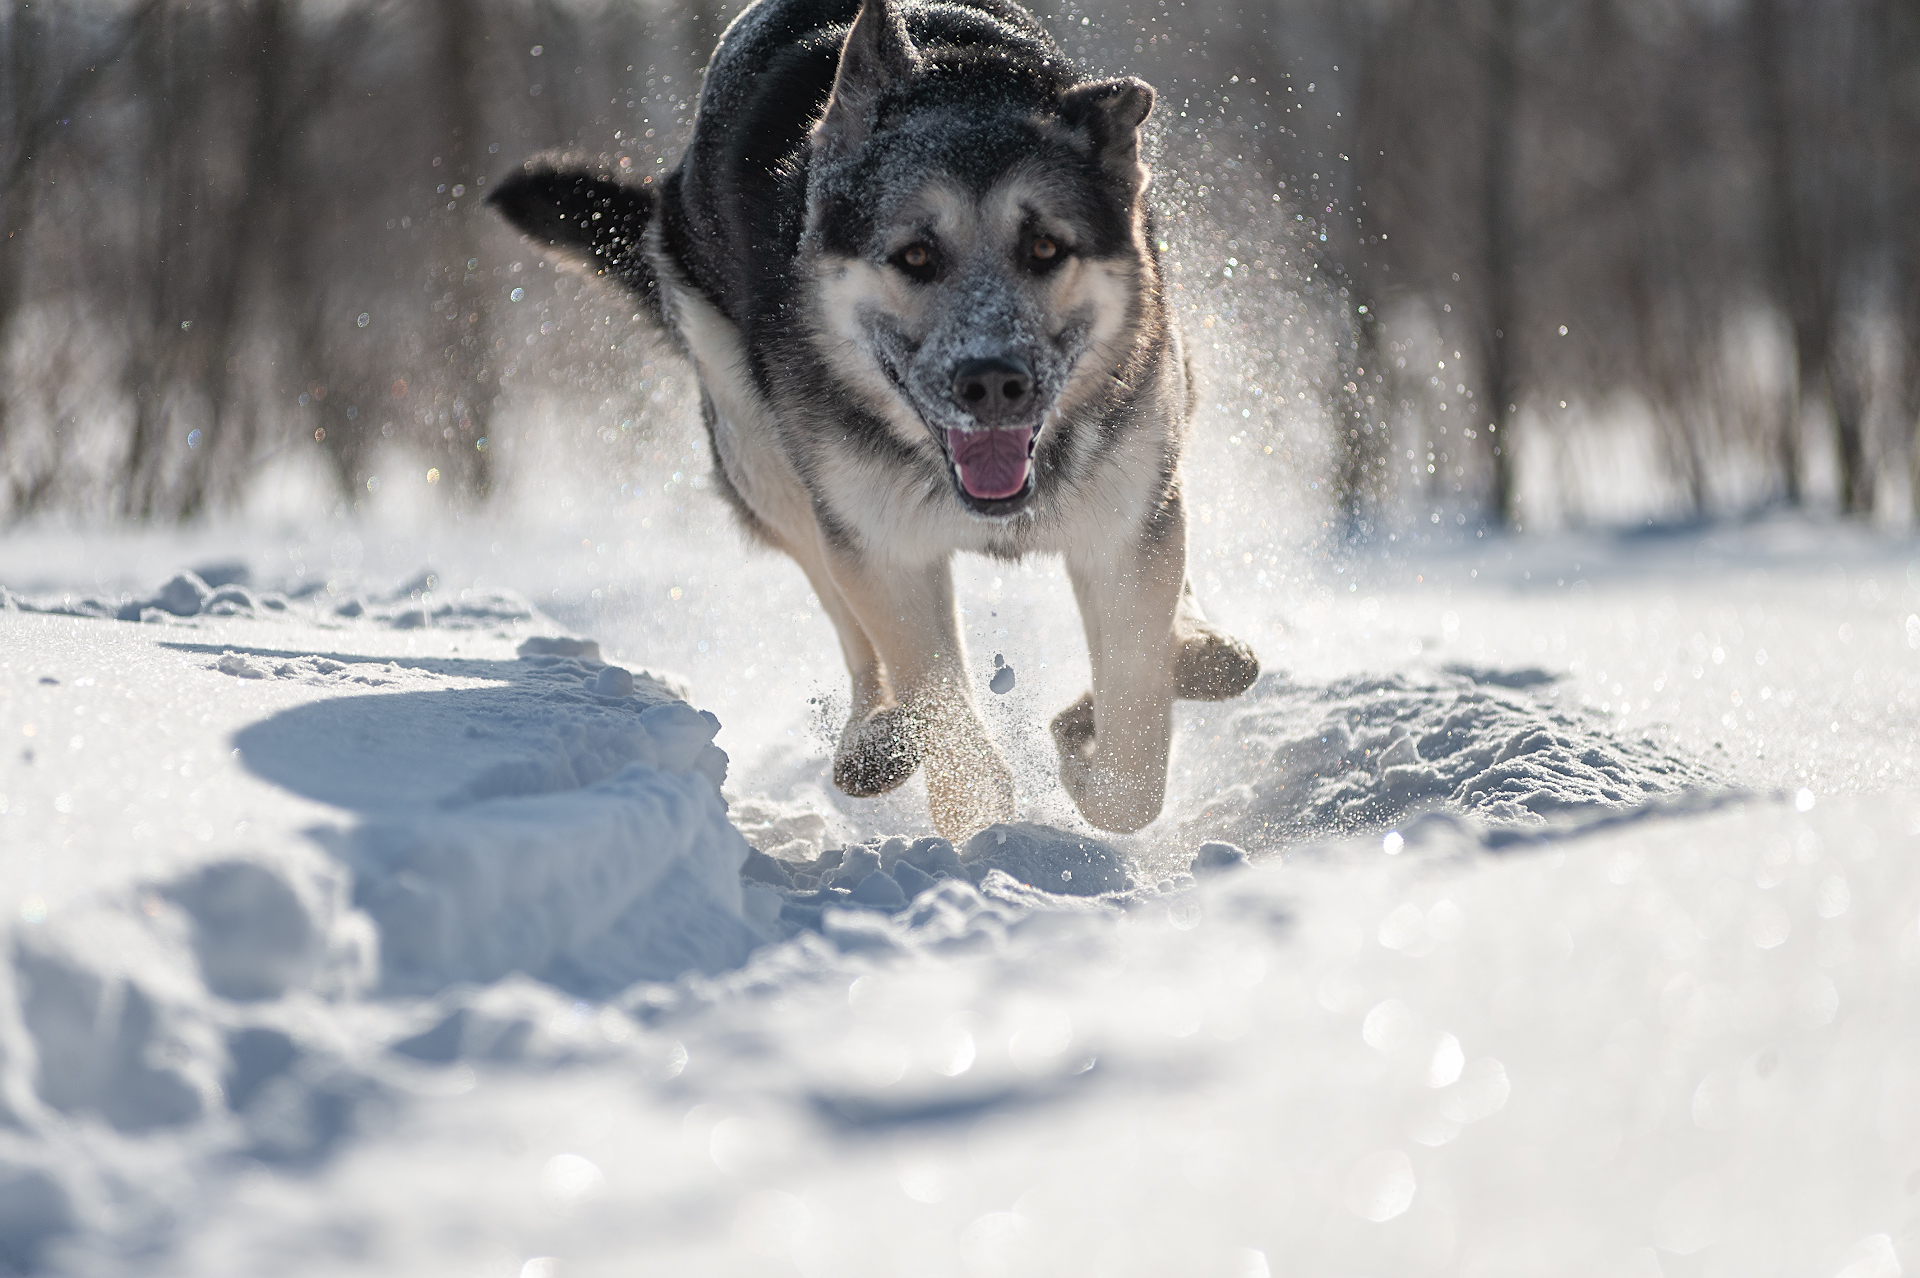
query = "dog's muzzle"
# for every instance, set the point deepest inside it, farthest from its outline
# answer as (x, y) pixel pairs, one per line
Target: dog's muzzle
(992, 460)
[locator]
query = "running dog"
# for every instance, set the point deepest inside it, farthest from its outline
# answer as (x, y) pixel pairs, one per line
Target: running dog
(910, 254)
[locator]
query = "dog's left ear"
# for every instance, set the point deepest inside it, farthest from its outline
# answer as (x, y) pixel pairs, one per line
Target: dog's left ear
(1109, 113)
(877, 55)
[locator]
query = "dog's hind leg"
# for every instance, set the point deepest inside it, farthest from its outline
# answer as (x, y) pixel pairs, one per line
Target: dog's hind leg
(1208, 665)
(908, 612)
(1114, 742)
(1073, 728)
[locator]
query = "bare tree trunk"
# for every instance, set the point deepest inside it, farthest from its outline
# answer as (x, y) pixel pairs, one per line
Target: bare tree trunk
(1498, 331)
(33, 102)
(1865, 100)
(152, 345)
(463, 400)
(1364, 447)
(1796, 278)
(1663, 357)
(265, 49)
(1907, 389)
(1900, 32)
(19, 100)
(1360, 432)
(298, 249)
(1847, 398)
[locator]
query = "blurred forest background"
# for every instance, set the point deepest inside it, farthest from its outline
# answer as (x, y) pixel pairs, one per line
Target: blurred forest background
(1570, 260)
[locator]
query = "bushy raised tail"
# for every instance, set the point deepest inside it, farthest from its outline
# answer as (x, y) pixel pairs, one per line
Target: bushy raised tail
(588, 216)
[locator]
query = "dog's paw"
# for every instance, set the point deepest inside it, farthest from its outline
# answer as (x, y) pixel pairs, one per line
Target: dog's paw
(877, 752)
(1073, 729)
(1211, 665)
(968, 793)
(1111, 799)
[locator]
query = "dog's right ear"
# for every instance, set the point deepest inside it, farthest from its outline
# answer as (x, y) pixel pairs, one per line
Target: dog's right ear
(1109, 114)
(593, 220)
(877, 55)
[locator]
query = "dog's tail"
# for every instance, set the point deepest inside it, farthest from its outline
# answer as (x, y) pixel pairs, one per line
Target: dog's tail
(588, 217)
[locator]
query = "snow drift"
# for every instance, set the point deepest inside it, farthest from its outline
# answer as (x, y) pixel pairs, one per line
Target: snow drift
(385, 930)
(1364, 751)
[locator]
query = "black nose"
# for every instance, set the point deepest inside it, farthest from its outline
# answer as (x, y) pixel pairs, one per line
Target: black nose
(996, 391)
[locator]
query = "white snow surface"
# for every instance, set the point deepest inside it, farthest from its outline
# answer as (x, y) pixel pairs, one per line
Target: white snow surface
(365, 920)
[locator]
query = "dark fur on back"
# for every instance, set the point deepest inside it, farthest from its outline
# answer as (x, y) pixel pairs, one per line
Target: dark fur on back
(733, 209)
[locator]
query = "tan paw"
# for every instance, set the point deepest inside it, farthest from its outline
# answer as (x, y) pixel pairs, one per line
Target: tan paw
(877, 752)
(1111, 799)
(967, 794)
(1073, 728)
(1211, 665)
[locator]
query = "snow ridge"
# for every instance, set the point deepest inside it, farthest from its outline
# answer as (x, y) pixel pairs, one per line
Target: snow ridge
(521, 834)
(226, 590)
(1363, 752)
(532, 865)
(631, 878)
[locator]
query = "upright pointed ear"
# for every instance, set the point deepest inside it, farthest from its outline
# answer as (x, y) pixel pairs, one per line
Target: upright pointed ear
(1109, 113)
(877, 55)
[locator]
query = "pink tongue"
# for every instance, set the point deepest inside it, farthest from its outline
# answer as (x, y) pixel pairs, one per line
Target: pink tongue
(992, 463)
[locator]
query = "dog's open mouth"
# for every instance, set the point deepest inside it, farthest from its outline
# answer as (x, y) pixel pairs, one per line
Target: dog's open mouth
(992, 464)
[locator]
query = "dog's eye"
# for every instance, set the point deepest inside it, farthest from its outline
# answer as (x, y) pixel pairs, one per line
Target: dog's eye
(1044, 253)
(917, 260)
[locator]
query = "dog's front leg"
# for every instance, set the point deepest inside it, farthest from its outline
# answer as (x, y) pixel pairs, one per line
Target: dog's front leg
(908, 613)
(1113, 748)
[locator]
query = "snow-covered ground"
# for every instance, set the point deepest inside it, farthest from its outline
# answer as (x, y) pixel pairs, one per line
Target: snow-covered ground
(346, 931)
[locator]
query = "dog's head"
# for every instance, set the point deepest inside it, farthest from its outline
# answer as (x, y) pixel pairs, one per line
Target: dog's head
(976, 242)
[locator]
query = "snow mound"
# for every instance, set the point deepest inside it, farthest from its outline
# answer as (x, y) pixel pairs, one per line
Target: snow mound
(632, 878)
(1053, 860)
(1025, 866)
(954, 916)
(500, 834)
(786, 832)
(540, 825)
(1313, 760)
(439, 734)
(340, 947)
(515, 1021)
(226, 590)
(186, 1015)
